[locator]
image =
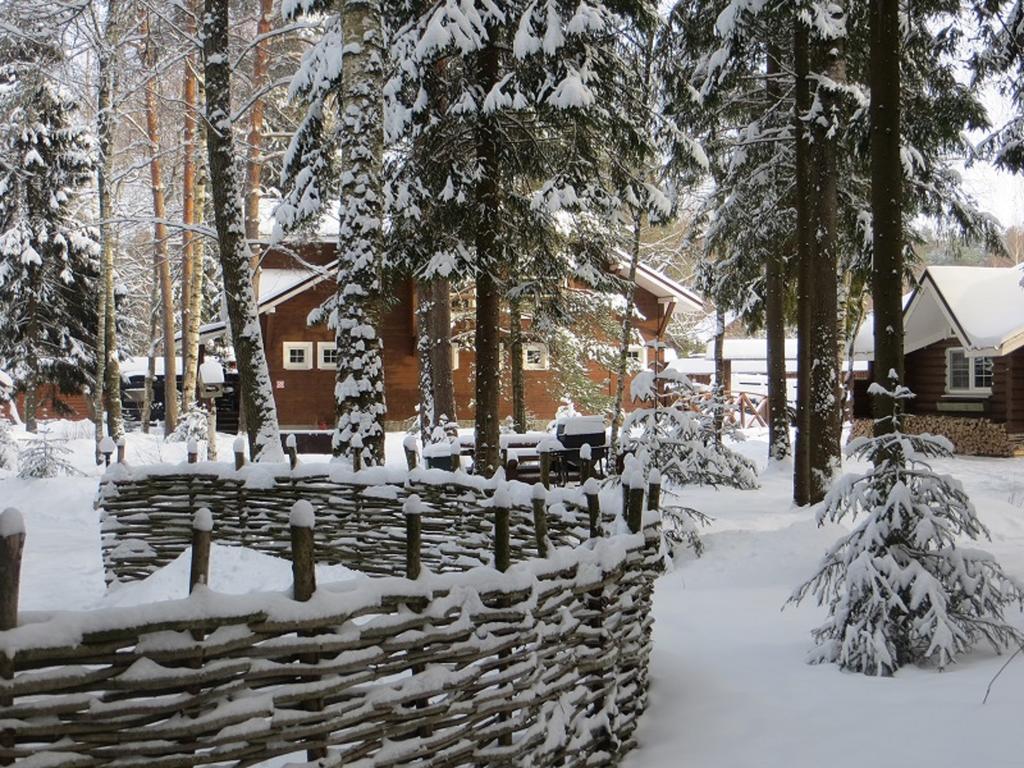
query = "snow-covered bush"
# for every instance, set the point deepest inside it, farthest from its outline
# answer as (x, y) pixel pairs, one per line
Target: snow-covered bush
(43, 457)
(8, 448)
(899, 588)
(193, 425)
(681, 443)
(679, 526)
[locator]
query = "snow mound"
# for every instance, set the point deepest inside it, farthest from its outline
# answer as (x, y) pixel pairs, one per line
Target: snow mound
(233, 571)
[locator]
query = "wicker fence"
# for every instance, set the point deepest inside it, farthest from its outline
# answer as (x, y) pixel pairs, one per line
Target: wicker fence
(539, 662)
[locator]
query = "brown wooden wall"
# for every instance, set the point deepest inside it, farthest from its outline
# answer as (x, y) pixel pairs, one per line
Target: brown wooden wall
(78, 404)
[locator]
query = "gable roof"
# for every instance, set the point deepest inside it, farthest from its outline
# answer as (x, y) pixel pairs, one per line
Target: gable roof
(667, 290)
(983, 307)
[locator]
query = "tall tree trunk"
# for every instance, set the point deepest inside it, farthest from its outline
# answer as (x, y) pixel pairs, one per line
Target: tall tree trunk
(805, 254)
(109, 373)
(247, 339)
(515, 360)
(886, 204)
(622, 363)
(198, 277)
(359, 393)
(161, 255)
(488, 295)
(439, 321)
(147, 393)
(718, 413)
(427, 417)
(32, 355)
(775, 312)
(254, 162)
(189, 338)
(825, 410)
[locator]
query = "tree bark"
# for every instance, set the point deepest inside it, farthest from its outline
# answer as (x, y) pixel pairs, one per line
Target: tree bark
(774, 312)
(427, 417)
(254, 162)
(189, 336)
(439, 321)
(359, 391)
(488, 295)
(825, 410)
(805, 253)
(108, 379)
(161, 255)
(32, 355)
(147, 395)
(718, 414)
(515, 360)
(622, 364)
(886, 205)
(261, 411)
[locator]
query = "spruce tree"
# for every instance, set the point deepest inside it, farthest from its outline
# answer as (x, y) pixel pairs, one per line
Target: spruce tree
(48, 258)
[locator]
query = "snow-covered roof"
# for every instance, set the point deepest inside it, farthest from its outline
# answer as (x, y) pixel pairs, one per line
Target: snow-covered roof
(137, 366)
(748, 349)
(982, 306)
(661, 285)
(326, 228)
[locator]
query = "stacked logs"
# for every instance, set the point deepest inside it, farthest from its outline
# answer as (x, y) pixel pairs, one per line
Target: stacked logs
(970, 437)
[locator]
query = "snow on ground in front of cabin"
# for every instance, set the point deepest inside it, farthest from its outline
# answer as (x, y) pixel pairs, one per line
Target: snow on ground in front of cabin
(730, 688)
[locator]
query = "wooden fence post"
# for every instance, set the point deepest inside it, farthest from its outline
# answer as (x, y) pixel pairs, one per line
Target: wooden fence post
(409, 447)
(120, 450)
(634, 517)
(192, 447)
(502, 558)
(239, 450)
(592, 492)
(545, 467)
(540, 520)
(357, 452)
(654, 489)
(291, 445)
(413, 536)
(301, 521)
(12, 545)
(586, 462)
(202, 533)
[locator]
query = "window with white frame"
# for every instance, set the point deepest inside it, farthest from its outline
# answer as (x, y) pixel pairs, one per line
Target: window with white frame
(535, 357)
(297, 355)
(637, 354)
(968, 375)
(326, 355)
(455, 356)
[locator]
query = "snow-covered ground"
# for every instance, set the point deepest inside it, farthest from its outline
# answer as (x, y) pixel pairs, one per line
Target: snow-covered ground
(730, 686)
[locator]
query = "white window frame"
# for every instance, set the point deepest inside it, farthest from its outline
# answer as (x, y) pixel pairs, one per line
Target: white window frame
(305, 346)
(971, 389)
(642, 356)
(321, 347)
(455, 356)
(536, 346)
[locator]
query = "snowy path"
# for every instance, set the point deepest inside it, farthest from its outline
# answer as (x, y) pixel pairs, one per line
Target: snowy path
(731, 689)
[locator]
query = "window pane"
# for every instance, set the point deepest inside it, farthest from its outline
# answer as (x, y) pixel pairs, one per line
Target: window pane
(983, 372)
(296, 355)
(533, 357)
(959, 371)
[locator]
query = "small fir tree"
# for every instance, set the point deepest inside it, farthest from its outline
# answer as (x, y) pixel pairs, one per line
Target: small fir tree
(899, 588)
(42, 457)
(8, 448)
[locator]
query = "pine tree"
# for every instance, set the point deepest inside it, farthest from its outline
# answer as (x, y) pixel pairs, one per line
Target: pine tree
(48, 259)
(42, 457)
(900, 588)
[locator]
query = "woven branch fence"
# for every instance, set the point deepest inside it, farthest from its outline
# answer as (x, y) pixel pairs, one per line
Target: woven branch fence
(541, 662)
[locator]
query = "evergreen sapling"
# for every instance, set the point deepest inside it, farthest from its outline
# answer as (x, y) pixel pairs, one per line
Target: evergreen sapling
(900, 588)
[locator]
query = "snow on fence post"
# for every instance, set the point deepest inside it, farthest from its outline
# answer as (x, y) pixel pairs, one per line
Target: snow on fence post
(413, 536)
(654, 489)
(586, 462)
(635, 513)
(202, 533)
(240, 447)
(107, 448)
(409, 447)
(12, 544)
(291, 446)
(193, 450)
(120, 450)
(592, 493)
(540, 520)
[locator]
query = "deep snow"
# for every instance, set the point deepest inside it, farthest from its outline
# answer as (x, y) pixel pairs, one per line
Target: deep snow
(730, 688)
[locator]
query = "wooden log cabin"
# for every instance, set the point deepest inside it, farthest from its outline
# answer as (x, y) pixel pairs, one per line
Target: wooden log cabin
(296, 279)
(963, 345)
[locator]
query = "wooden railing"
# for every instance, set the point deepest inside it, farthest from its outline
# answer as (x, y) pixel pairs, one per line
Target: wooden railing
(537, 662)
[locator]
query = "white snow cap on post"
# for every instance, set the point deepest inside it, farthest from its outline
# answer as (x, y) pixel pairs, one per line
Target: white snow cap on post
(591, 487)
(633, 479)
(192, 445)
(11, 523)
(107, 445)
(290, 442)
(409, 442)
(654, 477)
(120, 442)
(240, 445)
(539, 492)
(302, 515)
(412, 505)
(585, 452)
(501, 497)
(203, 520)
